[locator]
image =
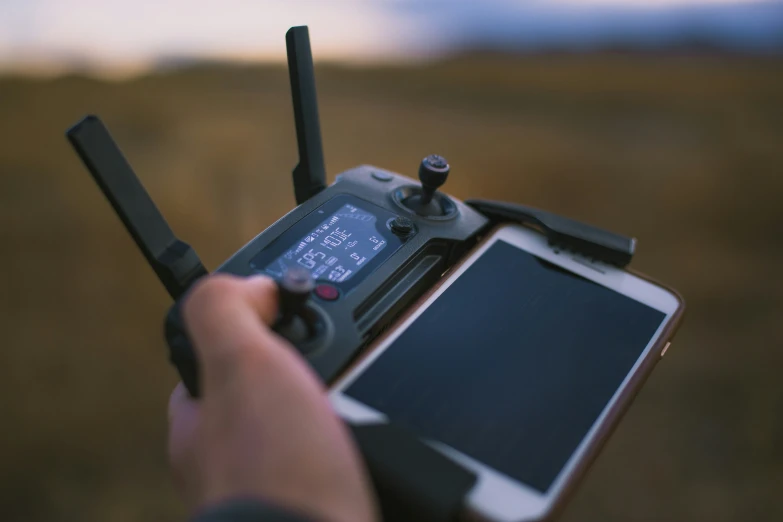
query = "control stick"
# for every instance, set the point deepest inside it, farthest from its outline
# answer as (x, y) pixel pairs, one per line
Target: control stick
(433, 172)
(297, 322)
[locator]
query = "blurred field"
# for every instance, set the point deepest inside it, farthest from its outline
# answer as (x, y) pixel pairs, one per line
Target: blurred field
(685, 153)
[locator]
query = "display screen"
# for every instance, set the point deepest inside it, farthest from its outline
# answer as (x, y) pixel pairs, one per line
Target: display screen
(517, 382)
(335, 250)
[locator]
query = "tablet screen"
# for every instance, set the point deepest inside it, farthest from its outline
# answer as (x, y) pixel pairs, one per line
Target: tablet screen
(512, 364)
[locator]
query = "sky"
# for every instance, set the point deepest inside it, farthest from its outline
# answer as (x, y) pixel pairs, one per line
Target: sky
(115, 37)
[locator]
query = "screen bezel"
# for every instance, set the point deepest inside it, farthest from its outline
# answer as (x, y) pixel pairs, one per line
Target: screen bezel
(495, 495)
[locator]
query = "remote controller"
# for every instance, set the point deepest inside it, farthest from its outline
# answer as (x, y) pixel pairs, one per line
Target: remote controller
(348, 259)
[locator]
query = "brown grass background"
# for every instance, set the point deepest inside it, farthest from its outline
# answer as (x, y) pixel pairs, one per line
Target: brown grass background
(683, 152)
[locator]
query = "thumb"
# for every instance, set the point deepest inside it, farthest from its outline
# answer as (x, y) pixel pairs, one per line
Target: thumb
(228, 320)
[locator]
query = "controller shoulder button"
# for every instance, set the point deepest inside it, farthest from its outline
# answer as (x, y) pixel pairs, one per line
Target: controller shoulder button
(381, 176)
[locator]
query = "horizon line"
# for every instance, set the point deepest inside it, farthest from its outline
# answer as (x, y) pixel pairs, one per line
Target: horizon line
(123, 71)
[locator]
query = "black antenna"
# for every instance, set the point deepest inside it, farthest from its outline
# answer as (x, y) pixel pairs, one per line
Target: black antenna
(175, 263)
(310, 173)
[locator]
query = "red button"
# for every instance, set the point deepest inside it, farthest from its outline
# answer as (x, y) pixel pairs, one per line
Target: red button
(327, 292)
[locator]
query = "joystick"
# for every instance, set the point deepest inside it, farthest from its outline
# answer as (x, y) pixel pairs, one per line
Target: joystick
(425, 201)
(297, 321)
(433, 172)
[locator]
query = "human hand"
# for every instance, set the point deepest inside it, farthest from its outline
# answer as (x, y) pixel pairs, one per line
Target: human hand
(264, 427)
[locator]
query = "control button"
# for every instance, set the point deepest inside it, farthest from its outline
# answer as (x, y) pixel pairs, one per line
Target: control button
(401, 226)
(382, 176)
(663, 352)
(327, 292)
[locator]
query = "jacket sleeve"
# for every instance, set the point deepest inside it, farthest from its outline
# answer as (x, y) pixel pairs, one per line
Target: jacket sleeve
(248, 510)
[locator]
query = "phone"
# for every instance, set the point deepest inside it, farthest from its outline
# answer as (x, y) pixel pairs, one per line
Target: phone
(517, 366)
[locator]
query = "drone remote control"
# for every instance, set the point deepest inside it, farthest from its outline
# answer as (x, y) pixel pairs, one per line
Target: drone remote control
(348, 260)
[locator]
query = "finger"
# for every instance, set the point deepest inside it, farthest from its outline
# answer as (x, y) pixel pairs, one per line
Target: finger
(259, 292)
(222, 300)
(180, 402)
(227, 318)
(262, 294)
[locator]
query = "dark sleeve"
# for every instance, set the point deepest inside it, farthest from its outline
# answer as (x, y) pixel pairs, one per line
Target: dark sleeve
(248, 510)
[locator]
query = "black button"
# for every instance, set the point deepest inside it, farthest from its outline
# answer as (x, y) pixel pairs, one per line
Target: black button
(401, 226)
